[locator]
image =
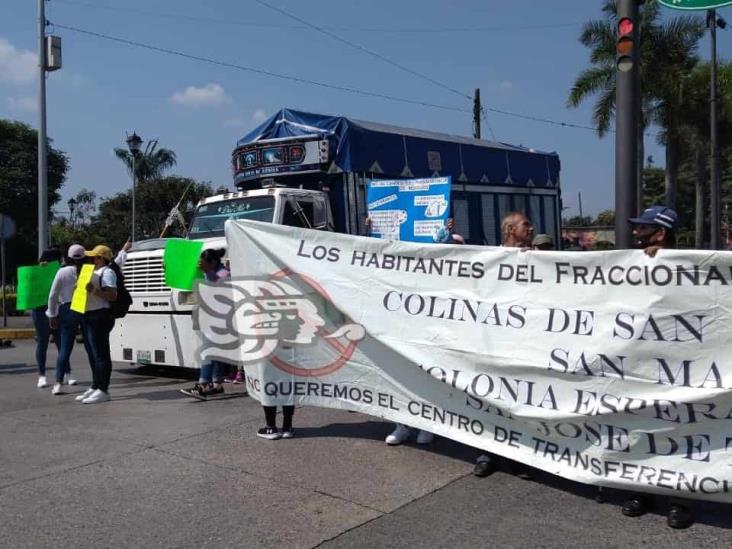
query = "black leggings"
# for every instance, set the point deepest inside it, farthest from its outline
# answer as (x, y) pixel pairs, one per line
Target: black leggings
(270, 416)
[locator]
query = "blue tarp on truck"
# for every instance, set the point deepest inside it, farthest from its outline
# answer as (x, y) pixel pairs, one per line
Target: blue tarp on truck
(369, 147)
(489, 178)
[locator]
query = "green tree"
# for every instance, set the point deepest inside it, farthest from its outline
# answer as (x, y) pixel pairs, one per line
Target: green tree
(695, 123)
(84, 207)
(577, 221)
(605, 218)
(150, 163)
(154, 202)
(19, 187)
(667, 49)
(64, 233)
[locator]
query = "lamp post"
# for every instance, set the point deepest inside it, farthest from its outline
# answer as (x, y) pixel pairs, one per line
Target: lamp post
(72, 207)
(714, 22)
(133, 142)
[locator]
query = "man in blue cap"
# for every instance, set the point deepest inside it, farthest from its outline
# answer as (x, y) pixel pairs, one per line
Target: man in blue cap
(653, 230)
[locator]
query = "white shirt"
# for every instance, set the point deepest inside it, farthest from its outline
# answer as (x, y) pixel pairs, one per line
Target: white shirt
(121, 258)
(62, 289)
(103, 277)
(64, 284)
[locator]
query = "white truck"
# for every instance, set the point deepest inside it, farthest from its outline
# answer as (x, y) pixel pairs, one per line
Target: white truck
(158, 327)
(309, 170)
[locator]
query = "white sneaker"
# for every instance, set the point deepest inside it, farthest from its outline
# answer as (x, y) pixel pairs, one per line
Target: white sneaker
(85, 394)
(425, 437)
(56, 389)
(399, 435)
(42, 382)
(96, 396)
(69, 381)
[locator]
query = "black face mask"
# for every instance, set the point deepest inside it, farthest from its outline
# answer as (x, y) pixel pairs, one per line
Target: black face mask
(642, 241)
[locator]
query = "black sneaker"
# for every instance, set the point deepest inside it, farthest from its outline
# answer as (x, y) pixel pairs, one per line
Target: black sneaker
(197, 391)
(486, 465)
(270, 433)
(288, 433)
(213, 392)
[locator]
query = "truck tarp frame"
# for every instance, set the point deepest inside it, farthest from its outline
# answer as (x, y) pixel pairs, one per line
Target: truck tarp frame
(390, 151)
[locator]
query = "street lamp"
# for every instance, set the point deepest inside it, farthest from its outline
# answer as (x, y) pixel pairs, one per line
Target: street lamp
(714, 22)
(72, 206)
(133, 142)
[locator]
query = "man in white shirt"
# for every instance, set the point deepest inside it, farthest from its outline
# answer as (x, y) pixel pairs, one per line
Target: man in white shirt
(516, 232)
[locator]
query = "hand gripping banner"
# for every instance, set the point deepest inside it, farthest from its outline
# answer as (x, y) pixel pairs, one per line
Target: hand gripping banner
(608, 368)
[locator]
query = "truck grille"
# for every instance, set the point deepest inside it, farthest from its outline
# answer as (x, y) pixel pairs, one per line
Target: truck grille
(144, 275)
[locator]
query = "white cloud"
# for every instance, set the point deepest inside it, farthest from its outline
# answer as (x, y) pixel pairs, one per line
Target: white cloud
(210, 94)
(23, 104)
(18, 66)
(259, 116)
(506, 86)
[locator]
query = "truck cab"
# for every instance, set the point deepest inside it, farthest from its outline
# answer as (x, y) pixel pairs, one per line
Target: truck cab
(145, 274)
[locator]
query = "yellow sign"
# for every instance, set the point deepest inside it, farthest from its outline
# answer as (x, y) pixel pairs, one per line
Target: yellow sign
(78, 300)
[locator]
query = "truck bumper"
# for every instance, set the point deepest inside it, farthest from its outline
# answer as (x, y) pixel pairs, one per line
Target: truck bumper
(154, 339)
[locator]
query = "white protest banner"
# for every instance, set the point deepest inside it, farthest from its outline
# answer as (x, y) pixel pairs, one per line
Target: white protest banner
(609, 368)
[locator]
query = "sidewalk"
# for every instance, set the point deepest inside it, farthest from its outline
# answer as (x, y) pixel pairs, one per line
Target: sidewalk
(19, 327)
(153, 468)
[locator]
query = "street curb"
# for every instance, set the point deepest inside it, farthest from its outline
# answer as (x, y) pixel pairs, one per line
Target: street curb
(17, 333)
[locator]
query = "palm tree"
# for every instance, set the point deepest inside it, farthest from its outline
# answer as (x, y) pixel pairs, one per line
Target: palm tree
(694, 121)
(667, 50)
(149, 164)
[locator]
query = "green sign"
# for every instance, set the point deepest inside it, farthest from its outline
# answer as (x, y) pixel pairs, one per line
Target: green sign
(181, 263)
(34, 285)
(695, 4)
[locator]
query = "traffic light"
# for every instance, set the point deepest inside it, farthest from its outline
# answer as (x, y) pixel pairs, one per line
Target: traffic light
(627, 112)
(626, 44)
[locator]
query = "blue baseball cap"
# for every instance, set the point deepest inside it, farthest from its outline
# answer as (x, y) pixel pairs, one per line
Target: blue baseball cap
(657, 215)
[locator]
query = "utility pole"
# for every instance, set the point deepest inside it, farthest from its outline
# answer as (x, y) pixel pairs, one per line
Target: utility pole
(715, 187)
(627, 120)
(579, 196)
(476, 113)
(42, 149)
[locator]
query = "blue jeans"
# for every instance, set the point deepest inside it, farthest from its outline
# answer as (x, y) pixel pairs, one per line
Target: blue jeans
(97, 325)
(211, 372)
(43, 334)
(69, 322)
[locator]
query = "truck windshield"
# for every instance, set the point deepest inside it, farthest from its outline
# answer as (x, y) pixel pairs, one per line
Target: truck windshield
(208, 220)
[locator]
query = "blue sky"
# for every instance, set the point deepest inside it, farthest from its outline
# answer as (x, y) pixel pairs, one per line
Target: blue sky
(524, 59)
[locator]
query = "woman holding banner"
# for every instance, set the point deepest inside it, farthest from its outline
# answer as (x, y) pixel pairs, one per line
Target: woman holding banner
(210, 380)
(98, 321)
(43, 326)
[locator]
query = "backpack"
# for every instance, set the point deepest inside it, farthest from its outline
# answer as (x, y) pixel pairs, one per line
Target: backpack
(121, 305)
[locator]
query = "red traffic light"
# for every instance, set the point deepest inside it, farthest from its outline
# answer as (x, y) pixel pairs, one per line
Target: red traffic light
(625, 26)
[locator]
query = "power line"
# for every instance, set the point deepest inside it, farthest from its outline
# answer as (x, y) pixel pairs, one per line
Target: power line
(363, 49)
(543, 120)
(485, 119)
(423, 30)
(259, 71)
(554, 122)
(317, 83)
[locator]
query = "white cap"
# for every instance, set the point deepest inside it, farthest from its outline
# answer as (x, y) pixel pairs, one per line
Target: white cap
(76, 251)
